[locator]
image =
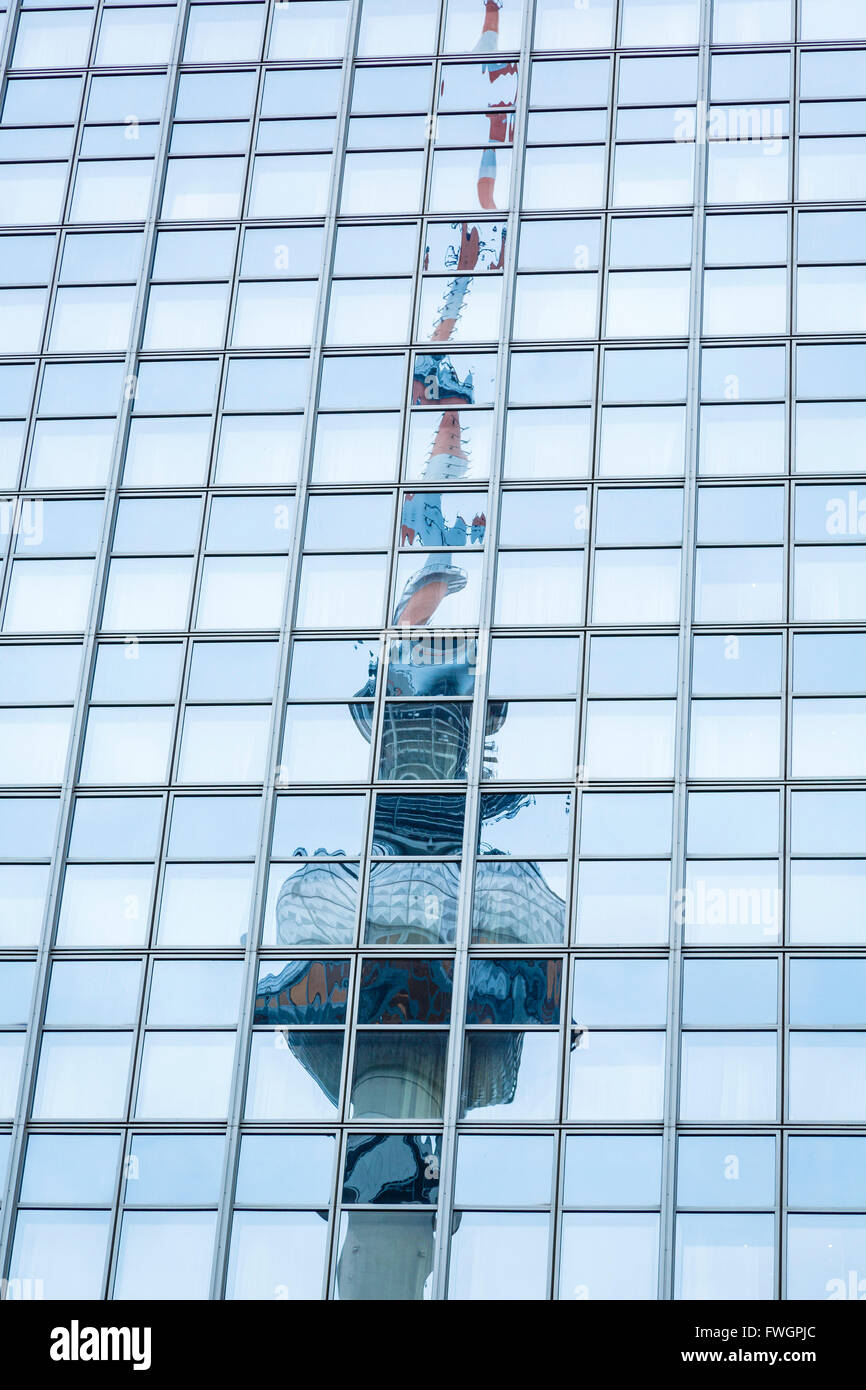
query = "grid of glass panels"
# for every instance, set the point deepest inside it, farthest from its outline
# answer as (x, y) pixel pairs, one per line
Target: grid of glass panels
(432, 651)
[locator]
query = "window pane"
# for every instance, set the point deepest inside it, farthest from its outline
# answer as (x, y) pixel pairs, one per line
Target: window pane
(82, 1076)
(185, 1075)
(68, 1248)
(826, 1077)
(500, 1255)
(294, 1076)
(724, 1257)
(616, 1076)
(609, 1256)
(385, 1256)
(510, 1076)
(735, 738)
(727, 1171)
(728, 1077)
(277, 1254)
(164, 1255)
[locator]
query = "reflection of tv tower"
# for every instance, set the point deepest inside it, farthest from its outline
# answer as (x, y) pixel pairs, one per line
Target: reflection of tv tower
(427, 740)
(500, 118)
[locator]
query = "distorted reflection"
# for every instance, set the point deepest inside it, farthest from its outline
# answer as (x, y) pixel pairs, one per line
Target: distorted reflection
(405, 991)
(302, 992)
(417, 840)
(514, 991)
(392, 1169)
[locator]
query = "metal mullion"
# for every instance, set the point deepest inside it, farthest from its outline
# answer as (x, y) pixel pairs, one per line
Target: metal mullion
(347, 1071)
(88, 72)
(335, 1189)
(280, 694)
(66, 802)
(234, 279)
(7, 43)
(117, 1213)
(179, 707)
(125, 1131)
(681, 770)
(51, 289)
(29, 425)
(454, 1061)
(50, 297)
(339, 1123)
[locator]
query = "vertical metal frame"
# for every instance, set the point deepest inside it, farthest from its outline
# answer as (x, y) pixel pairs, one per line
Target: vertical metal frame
(100, 573)
(681, 762)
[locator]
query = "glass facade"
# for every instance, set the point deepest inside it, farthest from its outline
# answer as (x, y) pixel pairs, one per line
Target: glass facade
(433, 649)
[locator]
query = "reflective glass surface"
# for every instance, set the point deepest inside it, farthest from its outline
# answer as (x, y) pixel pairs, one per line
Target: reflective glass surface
(432, 594)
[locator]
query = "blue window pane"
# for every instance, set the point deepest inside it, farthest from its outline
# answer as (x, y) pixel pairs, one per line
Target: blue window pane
(295, 1075)
(82, 1076)
(620, 823)
(16, 987)
(165, 1255)
(619, 992)
(213, 827)
(42, 100)
(740, 992)
(97, 992)
(724, 1256)
(743, 373)
(829, 664)
(740, 665)
(27, 827)
(115, 827)
(644, 375)
(609, 1256)
(350, 383)
(832, 822)
(70, 1168)
(607, 1170)
(195, 992)
(539, 378)
(186, 386)
(15, 386)
(499, 1256)
(81, 388)
(826, 1171)
(827, 992)
(733, 823)
(277, 1255)
(510, 1076)
(285, 1169)
(305, 824)
(193, 255)
(185, 1075)
(68, 1248)
(139, 671)
(504, 1169)
(730, 1171)
(173, 1169)
(825, 1256)
(216, 96)
(525, 825)
(830, 372)
(266, 383)
(100, 256)
(112, 98)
